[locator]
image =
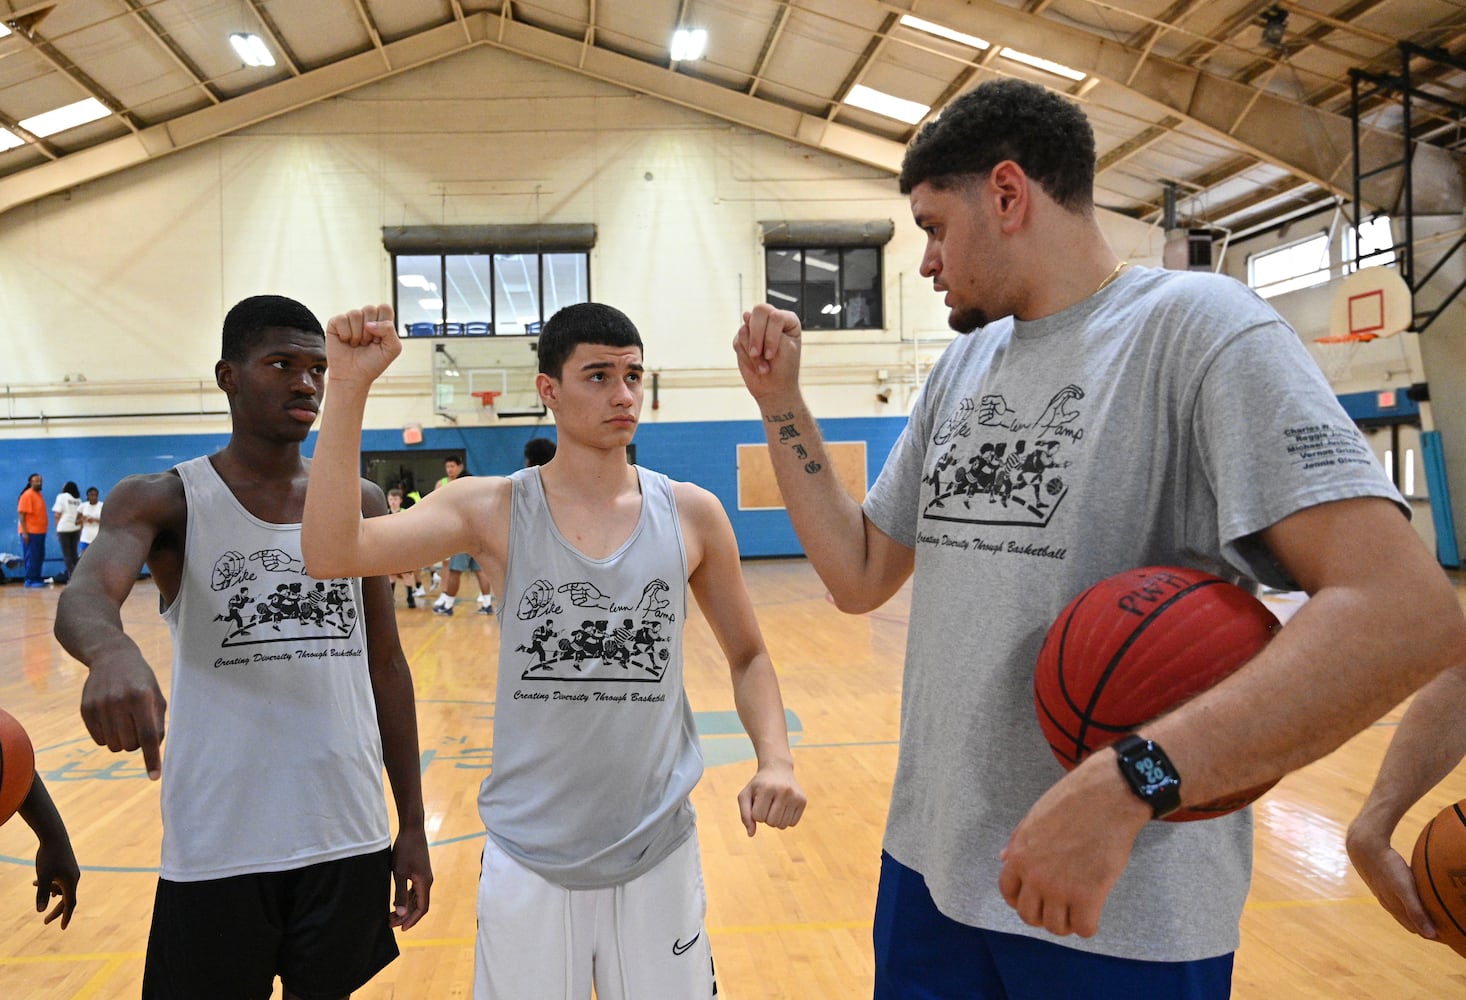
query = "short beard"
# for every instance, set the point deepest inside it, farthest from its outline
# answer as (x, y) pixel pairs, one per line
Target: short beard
(966, 320)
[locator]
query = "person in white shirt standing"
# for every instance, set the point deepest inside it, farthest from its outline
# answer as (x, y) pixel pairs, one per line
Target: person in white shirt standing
(90, 516)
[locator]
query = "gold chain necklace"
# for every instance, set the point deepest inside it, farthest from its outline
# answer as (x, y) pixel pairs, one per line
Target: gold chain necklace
(1109, 278)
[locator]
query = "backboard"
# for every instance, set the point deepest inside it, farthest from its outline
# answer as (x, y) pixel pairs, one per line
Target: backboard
(1372, 302)
(485, 379)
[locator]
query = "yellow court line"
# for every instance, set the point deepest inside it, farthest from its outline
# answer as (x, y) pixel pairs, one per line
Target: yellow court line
(91, 986)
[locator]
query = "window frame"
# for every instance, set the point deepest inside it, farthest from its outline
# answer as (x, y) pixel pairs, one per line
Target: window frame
(876, 311)
(1298, 279)
(447, 326)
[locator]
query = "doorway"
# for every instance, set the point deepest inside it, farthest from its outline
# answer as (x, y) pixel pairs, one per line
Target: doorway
(417, 470)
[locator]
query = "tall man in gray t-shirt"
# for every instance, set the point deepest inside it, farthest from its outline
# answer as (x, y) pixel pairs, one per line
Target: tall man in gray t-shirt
(1102, 418)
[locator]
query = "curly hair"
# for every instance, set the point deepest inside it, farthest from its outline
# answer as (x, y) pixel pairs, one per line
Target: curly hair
(1045, 134)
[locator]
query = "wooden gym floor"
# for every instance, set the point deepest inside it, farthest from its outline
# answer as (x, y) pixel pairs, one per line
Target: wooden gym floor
(789, 913)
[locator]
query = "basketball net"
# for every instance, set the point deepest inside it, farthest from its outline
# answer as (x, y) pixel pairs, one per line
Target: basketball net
(486, 413)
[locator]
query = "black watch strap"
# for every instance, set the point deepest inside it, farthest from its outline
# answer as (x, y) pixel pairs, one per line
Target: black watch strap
(1150, 773)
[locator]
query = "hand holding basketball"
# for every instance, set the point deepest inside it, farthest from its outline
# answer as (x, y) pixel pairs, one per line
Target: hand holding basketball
(17, 765)
(1385, 872)
(1439, 866)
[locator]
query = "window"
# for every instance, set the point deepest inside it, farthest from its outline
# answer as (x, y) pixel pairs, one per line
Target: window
(1297, 265)
(827, 273)
(829, 288)
(479, 281)
(1376, 245)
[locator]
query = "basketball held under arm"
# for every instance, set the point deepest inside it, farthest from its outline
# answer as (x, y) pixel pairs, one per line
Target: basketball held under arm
(1381, 621)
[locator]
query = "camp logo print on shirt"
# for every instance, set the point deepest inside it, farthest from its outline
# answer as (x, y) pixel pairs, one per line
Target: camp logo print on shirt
(996, 465)
(582, 634)
(270, 588)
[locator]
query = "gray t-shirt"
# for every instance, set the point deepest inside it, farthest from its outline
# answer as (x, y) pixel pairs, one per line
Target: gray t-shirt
(1165, 420)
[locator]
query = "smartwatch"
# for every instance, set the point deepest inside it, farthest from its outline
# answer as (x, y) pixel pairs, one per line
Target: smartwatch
(1150, 774)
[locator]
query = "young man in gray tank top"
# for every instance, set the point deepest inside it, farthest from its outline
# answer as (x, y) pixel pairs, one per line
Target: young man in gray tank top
(591, 872)
(290, 695)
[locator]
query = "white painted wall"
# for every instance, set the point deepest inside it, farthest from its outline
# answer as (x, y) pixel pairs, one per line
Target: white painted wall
(125, 281)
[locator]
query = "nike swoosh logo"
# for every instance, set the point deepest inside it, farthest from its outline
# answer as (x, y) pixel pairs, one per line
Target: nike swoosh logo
(678, 948)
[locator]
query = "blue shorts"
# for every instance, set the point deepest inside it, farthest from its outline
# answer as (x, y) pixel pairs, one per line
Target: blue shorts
(921, 954)
(463, 563)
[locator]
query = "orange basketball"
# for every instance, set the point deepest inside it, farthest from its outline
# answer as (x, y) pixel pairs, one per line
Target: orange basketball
(1439, 866)
(17, 765)
(1135, 645)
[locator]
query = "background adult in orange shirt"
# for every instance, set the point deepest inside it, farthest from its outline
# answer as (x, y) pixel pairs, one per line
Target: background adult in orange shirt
(33, 517)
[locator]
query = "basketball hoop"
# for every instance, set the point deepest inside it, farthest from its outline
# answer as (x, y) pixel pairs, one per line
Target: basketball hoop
(1371, 303)
(1347, 338)
(486, 398)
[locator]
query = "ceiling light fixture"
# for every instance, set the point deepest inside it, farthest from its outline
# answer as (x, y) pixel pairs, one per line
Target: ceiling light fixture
(4, 31)
(1048, 66)
(881, 103)
(252, 49)
(61, 119)
(971, 41)
(1274, 26)
(688, 44)
(9, 140)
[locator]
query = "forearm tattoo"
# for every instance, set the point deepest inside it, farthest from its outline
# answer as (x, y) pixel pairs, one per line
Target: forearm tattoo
(789, 437)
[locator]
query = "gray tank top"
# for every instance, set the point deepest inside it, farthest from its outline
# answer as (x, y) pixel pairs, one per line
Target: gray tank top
(595, 749)
(273, 759)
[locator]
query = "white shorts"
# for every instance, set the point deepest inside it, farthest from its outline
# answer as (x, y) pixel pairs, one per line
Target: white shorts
(644, 940)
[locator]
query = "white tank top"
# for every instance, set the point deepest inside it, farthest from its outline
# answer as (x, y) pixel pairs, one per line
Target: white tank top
(273, 759)
(595, 749)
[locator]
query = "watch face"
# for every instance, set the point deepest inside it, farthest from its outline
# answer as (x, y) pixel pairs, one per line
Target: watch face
(1150, 773)
(1153, 772)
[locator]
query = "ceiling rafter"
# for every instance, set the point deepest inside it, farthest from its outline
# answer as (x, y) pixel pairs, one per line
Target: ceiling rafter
(1223, 175)
(862, 64)
(1146, 38)
(47, 51)
(1195, 109)
(590, 23)
(1307, 38)
(373, 32)
(1136, 144)
(46, 149)
(771, 39)
(1287, 133)
(154, 29)
(276, 39)
(959, 84)
(461, 18)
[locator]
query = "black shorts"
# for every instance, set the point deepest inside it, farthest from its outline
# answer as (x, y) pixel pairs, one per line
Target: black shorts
(322, 929)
